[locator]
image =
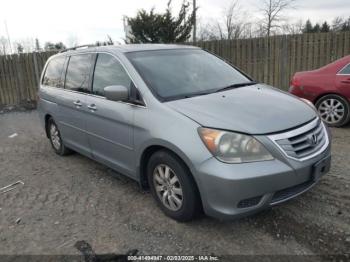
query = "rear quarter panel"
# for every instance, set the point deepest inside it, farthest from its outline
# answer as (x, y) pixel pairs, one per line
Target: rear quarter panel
(317, 84)
(314, 84)
(47, 104)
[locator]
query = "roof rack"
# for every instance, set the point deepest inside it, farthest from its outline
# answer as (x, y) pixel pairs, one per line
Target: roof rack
(77, 47)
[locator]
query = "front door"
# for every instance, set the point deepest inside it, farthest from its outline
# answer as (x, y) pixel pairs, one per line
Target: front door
(110, 124)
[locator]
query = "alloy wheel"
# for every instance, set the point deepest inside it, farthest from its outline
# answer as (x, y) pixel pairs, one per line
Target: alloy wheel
(168, 187)
(55, 137)
(331, 111)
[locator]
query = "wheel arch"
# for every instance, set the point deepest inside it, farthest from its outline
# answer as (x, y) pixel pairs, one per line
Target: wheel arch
(150, 149)
(47, 117)
(329, 93)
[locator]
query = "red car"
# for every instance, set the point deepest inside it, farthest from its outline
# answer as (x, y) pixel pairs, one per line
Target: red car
(328, 88)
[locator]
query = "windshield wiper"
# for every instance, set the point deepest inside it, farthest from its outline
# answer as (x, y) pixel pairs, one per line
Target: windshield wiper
(176, 97)
(235, 86)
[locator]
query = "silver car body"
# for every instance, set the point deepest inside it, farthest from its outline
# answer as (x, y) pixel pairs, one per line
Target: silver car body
(121, 135)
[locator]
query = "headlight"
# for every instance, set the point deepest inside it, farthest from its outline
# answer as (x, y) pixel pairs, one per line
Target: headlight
(232, 147)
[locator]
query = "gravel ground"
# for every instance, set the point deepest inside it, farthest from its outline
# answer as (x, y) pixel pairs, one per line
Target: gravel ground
(68, 199)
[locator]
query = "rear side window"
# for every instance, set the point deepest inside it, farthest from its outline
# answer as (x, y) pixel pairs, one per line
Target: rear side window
(108, 72)
(345, 70)
(78, 72)
(53, 73)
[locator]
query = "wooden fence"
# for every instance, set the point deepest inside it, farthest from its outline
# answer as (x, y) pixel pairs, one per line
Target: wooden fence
(274, 60)
(19, 77)
(270, 60)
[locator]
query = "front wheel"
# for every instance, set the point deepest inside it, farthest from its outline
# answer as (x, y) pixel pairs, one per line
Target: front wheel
(334, 110)
(172, 186)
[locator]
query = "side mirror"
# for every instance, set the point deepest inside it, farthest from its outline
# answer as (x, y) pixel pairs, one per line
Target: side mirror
(116, 93)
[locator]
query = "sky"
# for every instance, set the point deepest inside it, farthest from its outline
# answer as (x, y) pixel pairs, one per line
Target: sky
(83, 22)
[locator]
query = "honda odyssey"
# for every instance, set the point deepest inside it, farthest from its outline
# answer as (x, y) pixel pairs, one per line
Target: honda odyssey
(197, 132)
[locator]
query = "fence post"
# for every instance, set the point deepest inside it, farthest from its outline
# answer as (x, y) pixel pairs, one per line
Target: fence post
(36, 69)
(20, 77)
(266, 58)
(284, 63)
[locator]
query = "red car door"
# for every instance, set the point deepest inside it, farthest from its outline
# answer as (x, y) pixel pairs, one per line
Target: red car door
(342, 81)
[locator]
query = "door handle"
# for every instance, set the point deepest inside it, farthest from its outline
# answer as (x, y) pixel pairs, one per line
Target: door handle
(92, 107)
(78, 103)
(346, 81)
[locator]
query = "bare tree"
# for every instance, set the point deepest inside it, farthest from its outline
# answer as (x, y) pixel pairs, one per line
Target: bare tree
(272, 11)
(337, 23)
(233, 21)
(259, 30)
(207, 31)
(220, 31)
(293, 28)
(3, 45)
(231, 26)
(248, 30)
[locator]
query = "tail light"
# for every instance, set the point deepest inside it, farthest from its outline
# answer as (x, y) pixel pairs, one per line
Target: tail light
(294, 84)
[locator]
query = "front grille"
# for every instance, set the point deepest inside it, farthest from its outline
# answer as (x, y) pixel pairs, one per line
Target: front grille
(249, 202)
(304, 142)
(290, 192)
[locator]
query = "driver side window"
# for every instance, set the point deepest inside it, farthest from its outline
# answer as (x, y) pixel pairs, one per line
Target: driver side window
(108, 72)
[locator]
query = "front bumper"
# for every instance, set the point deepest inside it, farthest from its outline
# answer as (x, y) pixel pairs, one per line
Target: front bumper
(235, 190)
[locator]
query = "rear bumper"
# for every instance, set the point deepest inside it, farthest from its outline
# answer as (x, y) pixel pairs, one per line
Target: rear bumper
(233, 191)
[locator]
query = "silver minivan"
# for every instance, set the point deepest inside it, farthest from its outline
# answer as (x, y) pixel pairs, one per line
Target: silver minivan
(197, 132)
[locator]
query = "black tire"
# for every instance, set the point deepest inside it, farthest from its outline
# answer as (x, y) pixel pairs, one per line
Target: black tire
(61, 150)
(191, 204)
(343, 104)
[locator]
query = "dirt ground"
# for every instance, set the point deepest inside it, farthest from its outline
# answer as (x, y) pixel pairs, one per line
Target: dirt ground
(68, 199)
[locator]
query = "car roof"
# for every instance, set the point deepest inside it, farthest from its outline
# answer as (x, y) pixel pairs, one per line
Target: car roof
(127, 48)
(148, 47)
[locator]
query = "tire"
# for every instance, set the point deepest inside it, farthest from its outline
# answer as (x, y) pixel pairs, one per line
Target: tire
(56, 139)
(334, 110)
(179, 180)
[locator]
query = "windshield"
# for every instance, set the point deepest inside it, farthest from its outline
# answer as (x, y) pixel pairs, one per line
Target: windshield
(181, 73)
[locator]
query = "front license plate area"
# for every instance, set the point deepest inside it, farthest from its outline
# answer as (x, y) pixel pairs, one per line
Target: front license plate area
(321, 168)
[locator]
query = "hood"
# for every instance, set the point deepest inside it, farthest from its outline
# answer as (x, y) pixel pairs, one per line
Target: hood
(257, 109)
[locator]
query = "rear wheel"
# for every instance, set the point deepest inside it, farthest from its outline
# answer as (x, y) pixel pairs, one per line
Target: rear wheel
(172, 186)
(56, 139)
(334, 110)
